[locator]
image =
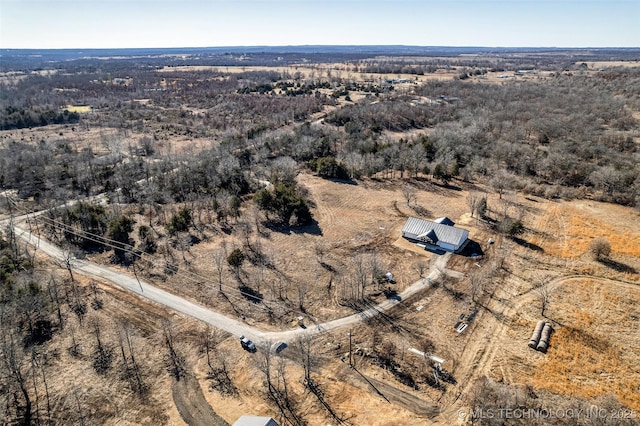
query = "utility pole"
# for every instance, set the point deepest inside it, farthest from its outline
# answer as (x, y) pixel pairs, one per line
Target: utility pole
(13, 243)
(133, 263)
(350, 356)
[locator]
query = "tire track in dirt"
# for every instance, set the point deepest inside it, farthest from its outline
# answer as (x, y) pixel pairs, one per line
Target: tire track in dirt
(192, 405)
(338, 207)
(491, 342)
(482, 353)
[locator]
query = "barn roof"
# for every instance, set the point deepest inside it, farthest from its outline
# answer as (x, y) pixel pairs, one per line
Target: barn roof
(445, 221)
(431, 234)
(246, 420)
(444, 233)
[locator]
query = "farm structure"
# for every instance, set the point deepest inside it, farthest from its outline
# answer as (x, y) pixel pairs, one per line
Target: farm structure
(440, 233)
(247, 420)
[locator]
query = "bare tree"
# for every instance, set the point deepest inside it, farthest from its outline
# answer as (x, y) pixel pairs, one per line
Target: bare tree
(132, 368)
(76, 301)
(38, 362)
(600, 248)
(501, 181)
(283, 170)
(388, 351)
(544, 295)
(427, 346)
(177, 365)
(477, 282)
(360, 276)
(320, 249)
(103, 352)
(74, 349)
(67, 260)
(303, 289)
(409, 193)
(473, 201)
(304, 346)
(219, 375)
(54, 296)
(81, 417)
(219, 258)
(11, 359)
(420, 266)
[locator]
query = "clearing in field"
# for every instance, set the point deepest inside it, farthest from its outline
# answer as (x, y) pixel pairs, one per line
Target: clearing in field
(78, 108)
(565, 230)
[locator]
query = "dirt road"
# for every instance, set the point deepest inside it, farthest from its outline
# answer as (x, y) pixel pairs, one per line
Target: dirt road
(231, 325)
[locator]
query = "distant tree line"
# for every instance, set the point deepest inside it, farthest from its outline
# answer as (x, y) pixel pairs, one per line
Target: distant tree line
(13, 118)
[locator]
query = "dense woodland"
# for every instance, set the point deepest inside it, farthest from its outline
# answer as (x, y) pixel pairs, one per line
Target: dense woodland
(572, 133)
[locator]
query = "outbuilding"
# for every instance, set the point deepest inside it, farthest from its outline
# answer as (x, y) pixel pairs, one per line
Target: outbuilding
(442, 235)
(246, 420)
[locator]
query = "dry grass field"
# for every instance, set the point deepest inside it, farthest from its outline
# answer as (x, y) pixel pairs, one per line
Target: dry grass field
(610, 64)
(596, 348)
(594, 306)
(78, 108)
(593, 350)
(565, 230)
(338, 70)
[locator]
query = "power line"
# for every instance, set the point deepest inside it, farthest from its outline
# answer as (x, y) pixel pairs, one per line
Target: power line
(189, 275)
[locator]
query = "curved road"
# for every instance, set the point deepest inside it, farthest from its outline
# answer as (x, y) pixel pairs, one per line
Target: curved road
(202, 313)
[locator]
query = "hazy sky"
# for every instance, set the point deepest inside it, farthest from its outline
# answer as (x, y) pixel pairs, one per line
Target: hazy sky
(198, 23)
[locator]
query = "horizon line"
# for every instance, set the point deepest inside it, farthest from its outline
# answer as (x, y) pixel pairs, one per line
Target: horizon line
(275, 46)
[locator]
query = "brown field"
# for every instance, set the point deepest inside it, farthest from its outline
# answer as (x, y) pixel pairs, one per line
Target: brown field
(596, 349)
(592, 351)
(319, 71)
(346, 71)
(610, 64)
(78, 108)
(566, 229)
(594, 306)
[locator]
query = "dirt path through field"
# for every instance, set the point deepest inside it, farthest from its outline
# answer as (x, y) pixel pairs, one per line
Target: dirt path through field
(483, 350)
(392, 394)
(191, 404)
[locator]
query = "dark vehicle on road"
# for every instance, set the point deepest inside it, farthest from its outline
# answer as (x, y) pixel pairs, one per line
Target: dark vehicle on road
(247, 344)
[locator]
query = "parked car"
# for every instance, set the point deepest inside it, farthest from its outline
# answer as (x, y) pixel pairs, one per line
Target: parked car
(247, 344)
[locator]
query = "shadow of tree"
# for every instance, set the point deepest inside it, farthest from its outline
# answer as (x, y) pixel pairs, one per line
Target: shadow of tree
(251, 295)
(328, 267)
(313, 228)
(343, 181)
(620, 267)
(392, 294)
(421, 211)
(527, 244)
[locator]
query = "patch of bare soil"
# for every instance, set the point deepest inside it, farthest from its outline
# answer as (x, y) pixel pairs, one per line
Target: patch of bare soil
(392, 394)
(191, 404)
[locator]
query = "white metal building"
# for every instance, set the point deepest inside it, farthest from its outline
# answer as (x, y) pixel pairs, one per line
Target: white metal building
(446, 237)
(247, 420)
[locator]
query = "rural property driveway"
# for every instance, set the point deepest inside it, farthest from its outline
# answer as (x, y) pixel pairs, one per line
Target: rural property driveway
(215, 319)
